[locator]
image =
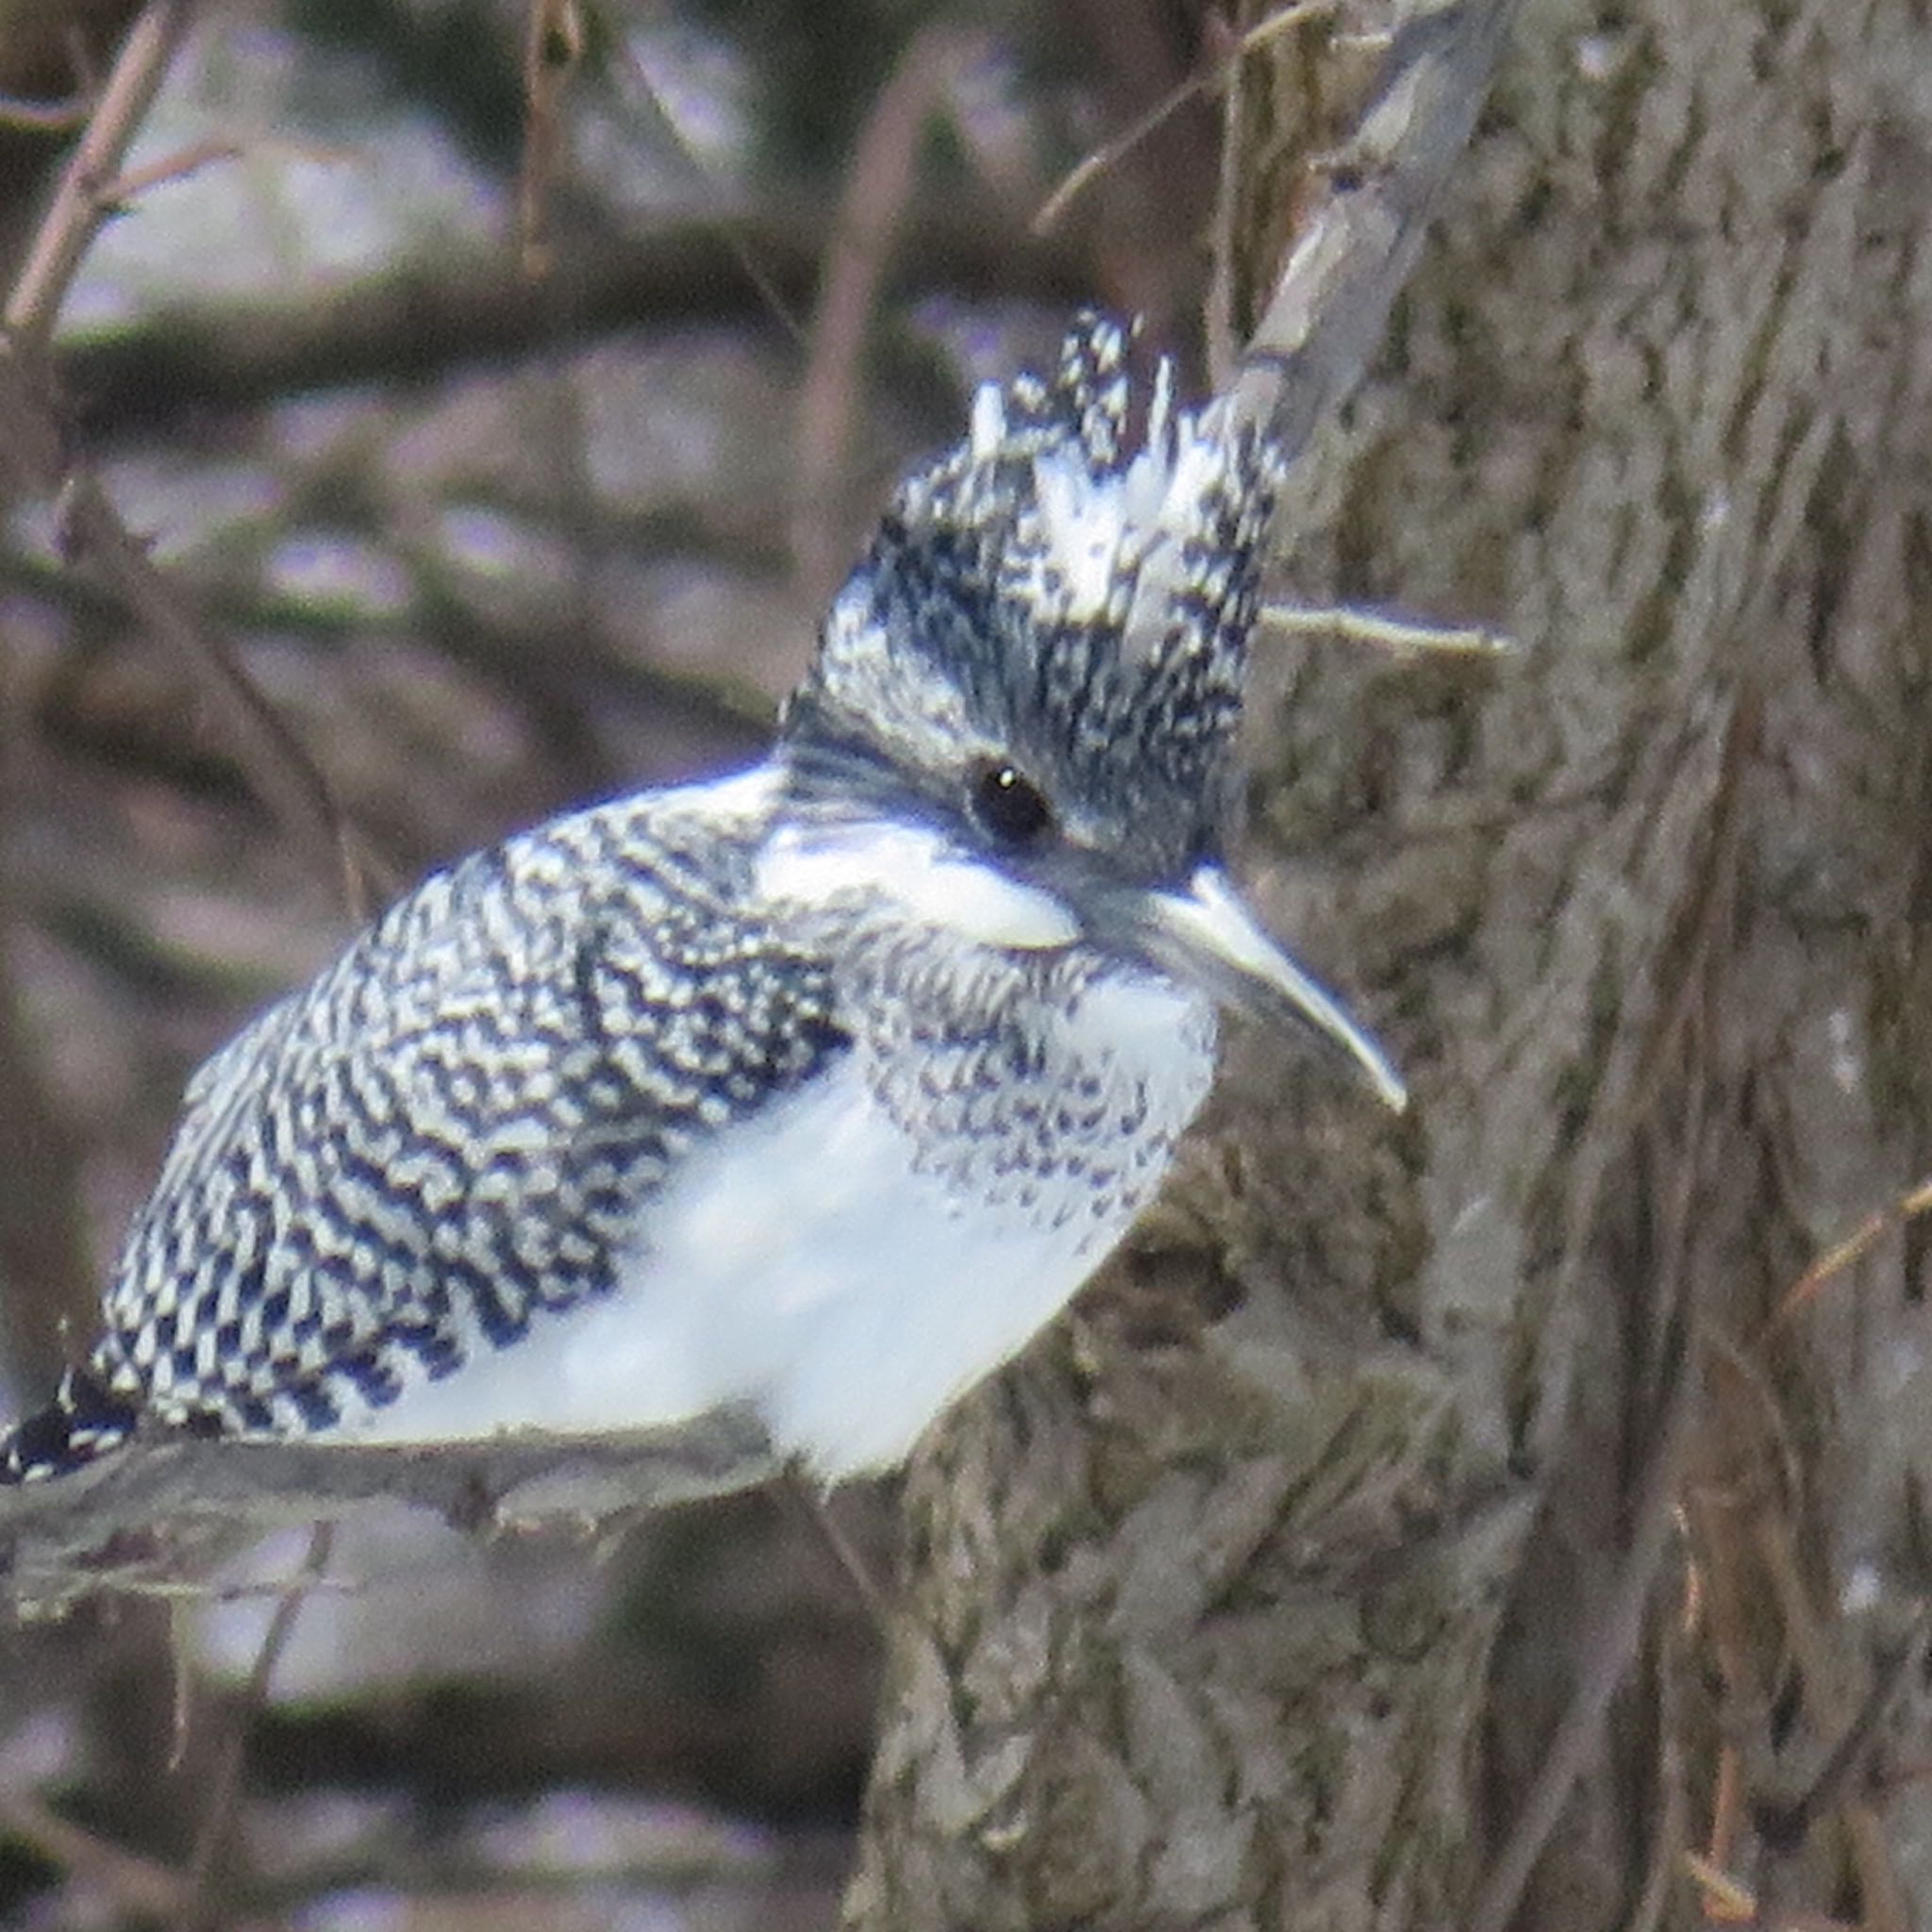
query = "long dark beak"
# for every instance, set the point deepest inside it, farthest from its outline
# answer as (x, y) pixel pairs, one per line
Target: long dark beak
(1205, 937)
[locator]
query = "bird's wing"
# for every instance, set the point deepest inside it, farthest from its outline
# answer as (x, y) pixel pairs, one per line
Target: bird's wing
(460, 1124)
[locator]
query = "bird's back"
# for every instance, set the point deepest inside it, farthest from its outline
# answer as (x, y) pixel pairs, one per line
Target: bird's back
(455, 1129)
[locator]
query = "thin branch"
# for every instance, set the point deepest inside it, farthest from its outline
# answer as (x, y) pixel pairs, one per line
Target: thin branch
(878, 194)
(179, 166)
(721, 221)
(1616, 1631)
(1401, 637)
(1109, 152)
(199, 1912)
(1689, 1029)
(79, 208)
(553, 51)
(34, 461)
(44, 117)
(277, 764)
(1366, 219)
(812, 1497)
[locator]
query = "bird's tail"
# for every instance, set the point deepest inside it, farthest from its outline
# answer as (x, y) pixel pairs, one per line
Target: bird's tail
(85, 1420)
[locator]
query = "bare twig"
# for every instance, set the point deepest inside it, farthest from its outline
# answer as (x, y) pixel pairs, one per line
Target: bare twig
(198, 1914)
(1615, 1632)
(277, 764)
(552, 50)
(1688, 1028)
(1401, 637)
(811, 1497)
(79, 208)
(44, 117)
(1366, 219)
(178, 166)
(1108, 153)
(34, 460)
(1786, 1825)
(878, 192)
(1841, 1255)
(640, 91)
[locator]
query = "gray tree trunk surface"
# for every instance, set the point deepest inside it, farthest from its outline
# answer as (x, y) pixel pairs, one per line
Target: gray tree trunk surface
(1413, 1495)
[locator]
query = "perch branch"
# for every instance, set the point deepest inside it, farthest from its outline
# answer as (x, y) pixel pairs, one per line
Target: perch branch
(164, 1511)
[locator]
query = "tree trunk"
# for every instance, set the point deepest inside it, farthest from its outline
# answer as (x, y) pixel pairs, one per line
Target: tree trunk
(1325, 1559)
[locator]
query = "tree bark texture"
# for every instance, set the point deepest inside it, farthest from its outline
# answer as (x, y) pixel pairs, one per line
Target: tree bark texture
(1413, 1496)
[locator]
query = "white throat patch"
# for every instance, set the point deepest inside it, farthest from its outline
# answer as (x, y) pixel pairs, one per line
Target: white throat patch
(914, 866)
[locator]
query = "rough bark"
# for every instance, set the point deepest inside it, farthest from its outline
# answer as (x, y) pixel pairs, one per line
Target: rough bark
(1288, 1583)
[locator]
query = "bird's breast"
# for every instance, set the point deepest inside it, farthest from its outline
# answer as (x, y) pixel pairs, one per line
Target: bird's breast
(868, 1246)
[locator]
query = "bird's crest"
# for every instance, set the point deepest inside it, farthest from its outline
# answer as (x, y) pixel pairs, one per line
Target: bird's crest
(1056, 589)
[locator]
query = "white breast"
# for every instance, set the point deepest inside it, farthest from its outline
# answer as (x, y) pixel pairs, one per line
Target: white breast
(810, 1264)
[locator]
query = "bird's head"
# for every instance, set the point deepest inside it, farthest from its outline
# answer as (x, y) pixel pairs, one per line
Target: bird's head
(1019, 723)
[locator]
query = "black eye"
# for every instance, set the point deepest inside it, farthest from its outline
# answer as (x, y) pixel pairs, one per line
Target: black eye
(1007, 806)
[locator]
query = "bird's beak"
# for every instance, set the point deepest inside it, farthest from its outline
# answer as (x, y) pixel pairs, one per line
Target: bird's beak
(1205, 937)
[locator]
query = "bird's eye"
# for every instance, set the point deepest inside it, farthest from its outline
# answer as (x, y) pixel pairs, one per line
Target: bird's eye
(1007, 806)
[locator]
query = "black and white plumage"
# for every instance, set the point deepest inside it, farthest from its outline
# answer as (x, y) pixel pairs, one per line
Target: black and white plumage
(818, 1088)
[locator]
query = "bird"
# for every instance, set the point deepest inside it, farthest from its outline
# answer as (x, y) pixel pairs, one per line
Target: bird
(817, 1088)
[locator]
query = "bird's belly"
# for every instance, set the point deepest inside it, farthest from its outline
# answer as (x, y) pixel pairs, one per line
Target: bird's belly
(846, 1278)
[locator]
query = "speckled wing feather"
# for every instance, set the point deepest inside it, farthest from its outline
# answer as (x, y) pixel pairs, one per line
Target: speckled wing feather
(458, 1124)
